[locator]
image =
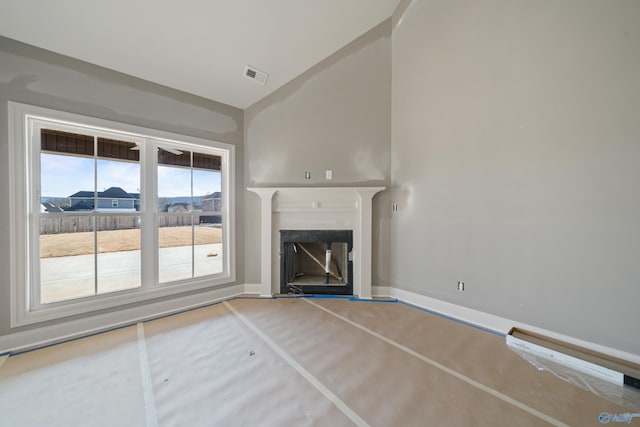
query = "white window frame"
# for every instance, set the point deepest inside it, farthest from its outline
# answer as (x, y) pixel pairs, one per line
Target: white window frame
(25, 206)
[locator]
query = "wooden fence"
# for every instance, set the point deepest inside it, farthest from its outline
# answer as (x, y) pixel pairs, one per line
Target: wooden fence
(78, 224)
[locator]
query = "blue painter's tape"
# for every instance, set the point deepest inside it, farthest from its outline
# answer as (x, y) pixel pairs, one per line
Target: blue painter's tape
(319, 296)
(372, 299)
(291, 296)
(444, 316)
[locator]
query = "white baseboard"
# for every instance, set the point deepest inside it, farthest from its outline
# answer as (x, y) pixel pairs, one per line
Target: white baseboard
(500, 324)
(77, 328)
(381, 291)
(252, 288)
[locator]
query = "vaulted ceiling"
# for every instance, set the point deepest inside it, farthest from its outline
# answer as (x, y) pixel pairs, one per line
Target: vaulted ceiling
(197, 46)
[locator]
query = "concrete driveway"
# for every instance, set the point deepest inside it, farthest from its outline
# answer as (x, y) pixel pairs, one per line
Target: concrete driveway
(73, 276)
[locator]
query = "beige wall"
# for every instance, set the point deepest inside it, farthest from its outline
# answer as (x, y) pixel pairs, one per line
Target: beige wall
(515, 161)
(38, 77)
(336, 116)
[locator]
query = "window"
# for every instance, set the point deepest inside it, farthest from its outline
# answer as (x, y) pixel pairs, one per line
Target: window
(105, 214)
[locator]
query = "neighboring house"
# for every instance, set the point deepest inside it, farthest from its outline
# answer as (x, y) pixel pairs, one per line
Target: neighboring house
(112, 199)
(212, 203)
(178, 207)
(136, 200)
(49, 207)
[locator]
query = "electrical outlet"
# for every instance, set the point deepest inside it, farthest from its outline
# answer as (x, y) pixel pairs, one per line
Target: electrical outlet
(328, 175)
(307, 175)
(460, 286)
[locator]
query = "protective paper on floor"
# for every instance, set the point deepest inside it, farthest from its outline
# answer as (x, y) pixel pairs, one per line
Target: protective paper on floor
(479, 355)
(206, 367)
(209, 369)
(94, 381)
(382, 384)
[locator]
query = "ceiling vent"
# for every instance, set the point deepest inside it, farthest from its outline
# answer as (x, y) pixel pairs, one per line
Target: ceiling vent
(255, 74)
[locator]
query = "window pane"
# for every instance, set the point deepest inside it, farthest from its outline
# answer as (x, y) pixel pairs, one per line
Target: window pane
(118, 240)
(174, 181)
(66, 160)
(206, 185)
(207, 248)
(75, 144)
(66, 183)
(67, 267)
(118, 176)
(175, 252)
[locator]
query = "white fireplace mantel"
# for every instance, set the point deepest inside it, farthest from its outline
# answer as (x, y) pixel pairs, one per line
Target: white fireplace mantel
(315, 208)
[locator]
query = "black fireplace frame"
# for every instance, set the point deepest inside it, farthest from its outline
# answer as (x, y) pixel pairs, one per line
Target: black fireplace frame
(289, 237)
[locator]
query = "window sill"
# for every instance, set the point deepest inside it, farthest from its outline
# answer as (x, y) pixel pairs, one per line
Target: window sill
(95, 303)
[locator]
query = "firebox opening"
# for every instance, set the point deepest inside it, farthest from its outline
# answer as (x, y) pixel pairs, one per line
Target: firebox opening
(316, 262)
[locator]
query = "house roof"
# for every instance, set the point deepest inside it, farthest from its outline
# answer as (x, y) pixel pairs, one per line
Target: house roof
(82, 205)
(82, 194)
(216, 195)
(50, 207)
(109, 193)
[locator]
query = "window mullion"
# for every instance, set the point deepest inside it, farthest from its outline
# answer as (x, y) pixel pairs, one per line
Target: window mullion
(193, 231)
(34, 295)
(95, 210)
(148, 226)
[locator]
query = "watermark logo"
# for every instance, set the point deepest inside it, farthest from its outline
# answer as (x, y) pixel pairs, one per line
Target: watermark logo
(626, 417)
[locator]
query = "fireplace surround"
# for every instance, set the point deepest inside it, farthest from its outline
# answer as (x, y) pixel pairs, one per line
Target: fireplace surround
(315, 208)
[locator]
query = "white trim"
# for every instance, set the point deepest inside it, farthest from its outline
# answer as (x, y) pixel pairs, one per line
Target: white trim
(500, 324)
(266, 195)
(24, 307)
(575, 363)
(82, 327)
(18, 253)
(381, 291)
(252, 288)
(115, 299)
(335, 208)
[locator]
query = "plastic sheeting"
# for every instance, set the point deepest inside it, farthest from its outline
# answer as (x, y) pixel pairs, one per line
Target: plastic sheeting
(621, 395)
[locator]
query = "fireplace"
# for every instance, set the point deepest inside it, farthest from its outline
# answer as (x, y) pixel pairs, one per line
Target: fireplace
(316, 262)
(337, 209)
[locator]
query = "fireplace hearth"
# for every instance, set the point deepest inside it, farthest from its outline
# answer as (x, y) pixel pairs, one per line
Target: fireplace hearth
(316, 262)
